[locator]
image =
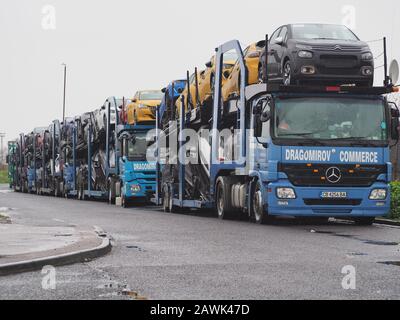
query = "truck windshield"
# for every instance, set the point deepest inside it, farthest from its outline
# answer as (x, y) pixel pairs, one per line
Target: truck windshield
(137, 147)
(330, 119)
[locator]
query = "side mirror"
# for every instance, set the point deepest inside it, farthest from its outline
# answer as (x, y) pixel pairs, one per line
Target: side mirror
(209, 64)
(7, 159)
(279, 41)
(134, 100)
(103, 107)
(395, 127)
(164, 90)
(266, 115)
(257, 127)
(180, 90)
(395, 121)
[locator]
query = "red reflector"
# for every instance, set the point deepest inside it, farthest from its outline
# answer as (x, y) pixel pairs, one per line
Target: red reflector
(333, 89)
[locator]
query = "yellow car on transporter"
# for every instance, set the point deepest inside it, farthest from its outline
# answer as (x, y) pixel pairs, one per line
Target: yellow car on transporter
(206, 79)
(142, 110)
(252, 60)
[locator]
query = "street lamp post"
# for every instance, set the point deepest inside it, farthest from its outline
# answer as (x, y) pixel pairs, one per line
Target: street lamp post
(2, 135)
(65, 86)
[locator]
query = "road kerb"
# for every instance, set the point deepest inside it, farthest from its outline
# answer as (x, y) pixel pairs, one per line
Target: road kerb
(57, 260)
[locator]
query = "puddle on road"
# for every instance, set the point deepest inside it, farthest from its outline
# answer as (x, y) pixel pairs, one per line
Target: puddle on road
(349, 236)
(136, 248)
(391, 263)
(121, 291)
(381, 243)
(357, 254)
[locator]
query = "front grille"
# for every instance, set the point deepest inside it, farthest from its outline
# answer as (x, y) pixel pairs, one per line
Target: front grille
(339, 61)
(332, 202)
(351, 175)
(337, 48)
(340, 71)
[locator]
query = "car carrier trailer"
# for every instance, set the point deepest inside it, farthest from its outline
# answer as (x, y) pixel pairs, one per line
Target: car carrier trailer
(11, 162)
(300, 174)
(126, 175)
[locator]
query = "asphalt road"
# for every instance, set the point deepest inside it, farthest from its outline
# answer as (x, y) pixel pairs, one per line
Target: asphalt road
(192, 256)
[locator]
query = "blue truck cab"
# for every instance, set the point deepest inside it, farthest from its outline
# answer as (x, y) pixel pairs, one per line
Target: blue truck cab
(322, 154)
(136, 176)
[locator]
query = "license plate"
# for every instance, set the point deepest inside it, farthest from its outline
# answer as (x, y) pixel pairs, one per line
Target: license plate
(334, 195)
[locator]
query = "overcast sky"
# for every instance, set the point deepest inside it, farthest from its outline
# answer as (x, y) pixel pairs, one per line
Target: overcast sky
(114, 48)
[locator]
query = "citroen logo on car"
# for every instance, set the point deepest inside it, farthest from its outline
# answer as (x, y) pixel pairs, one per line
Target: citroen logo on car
(337, 47)
(333, 175)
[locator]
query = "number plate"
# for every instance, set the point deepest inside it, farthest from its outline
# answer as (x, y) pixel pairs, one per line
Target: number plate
(334, 195)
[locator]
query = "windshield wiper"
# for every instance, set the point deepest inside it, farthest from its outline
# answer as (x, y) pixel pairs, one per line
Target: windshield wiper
(362, 142)
(324, 39)
(350, 138)
(305, 135)
(298, 134)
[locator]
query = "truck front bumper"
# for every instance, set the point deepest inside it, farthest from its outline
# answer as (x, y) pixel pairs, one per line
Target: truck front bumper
(134, 190)
(310, 203)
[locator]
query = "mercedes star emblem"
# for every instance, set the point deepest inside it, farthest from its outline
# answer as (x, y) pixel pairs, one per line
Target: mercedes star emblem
(333, 175)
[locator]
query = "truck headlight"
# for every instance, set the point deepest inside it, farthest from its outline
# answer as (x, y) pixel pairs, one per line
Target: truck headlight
(367, 56)
(285, 193)
(135, 188)
(305, 54)
(378, 194)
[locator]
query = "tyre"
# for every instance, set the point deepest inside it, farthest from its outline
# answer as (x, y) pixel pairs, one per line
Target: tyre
(111, 192)
(166, 199)
(124, 201)
(223, 201)
(364, 221)
(81, 193)
(212, 82)
(257, 211)
(57, 190)
(287, 74)
(260, 74)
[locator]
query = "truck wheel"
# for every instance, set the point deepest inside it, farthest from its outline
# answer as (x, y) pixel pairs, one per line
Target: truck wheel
(57, 190)
(166, 199)
(124, 201)
(367, 221)
(287, 74)
(223, 199)
(257, 210)
(81, 193)
(111, 192)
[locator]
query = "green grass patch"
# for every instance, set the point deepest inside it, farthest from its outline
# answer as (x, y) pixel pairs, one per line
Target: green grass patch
(3, 176)
(395, 211)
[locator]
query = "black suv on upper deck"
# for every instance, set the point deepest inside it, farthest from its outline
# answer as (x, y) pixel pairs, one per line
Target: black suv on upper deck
(324, 53)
